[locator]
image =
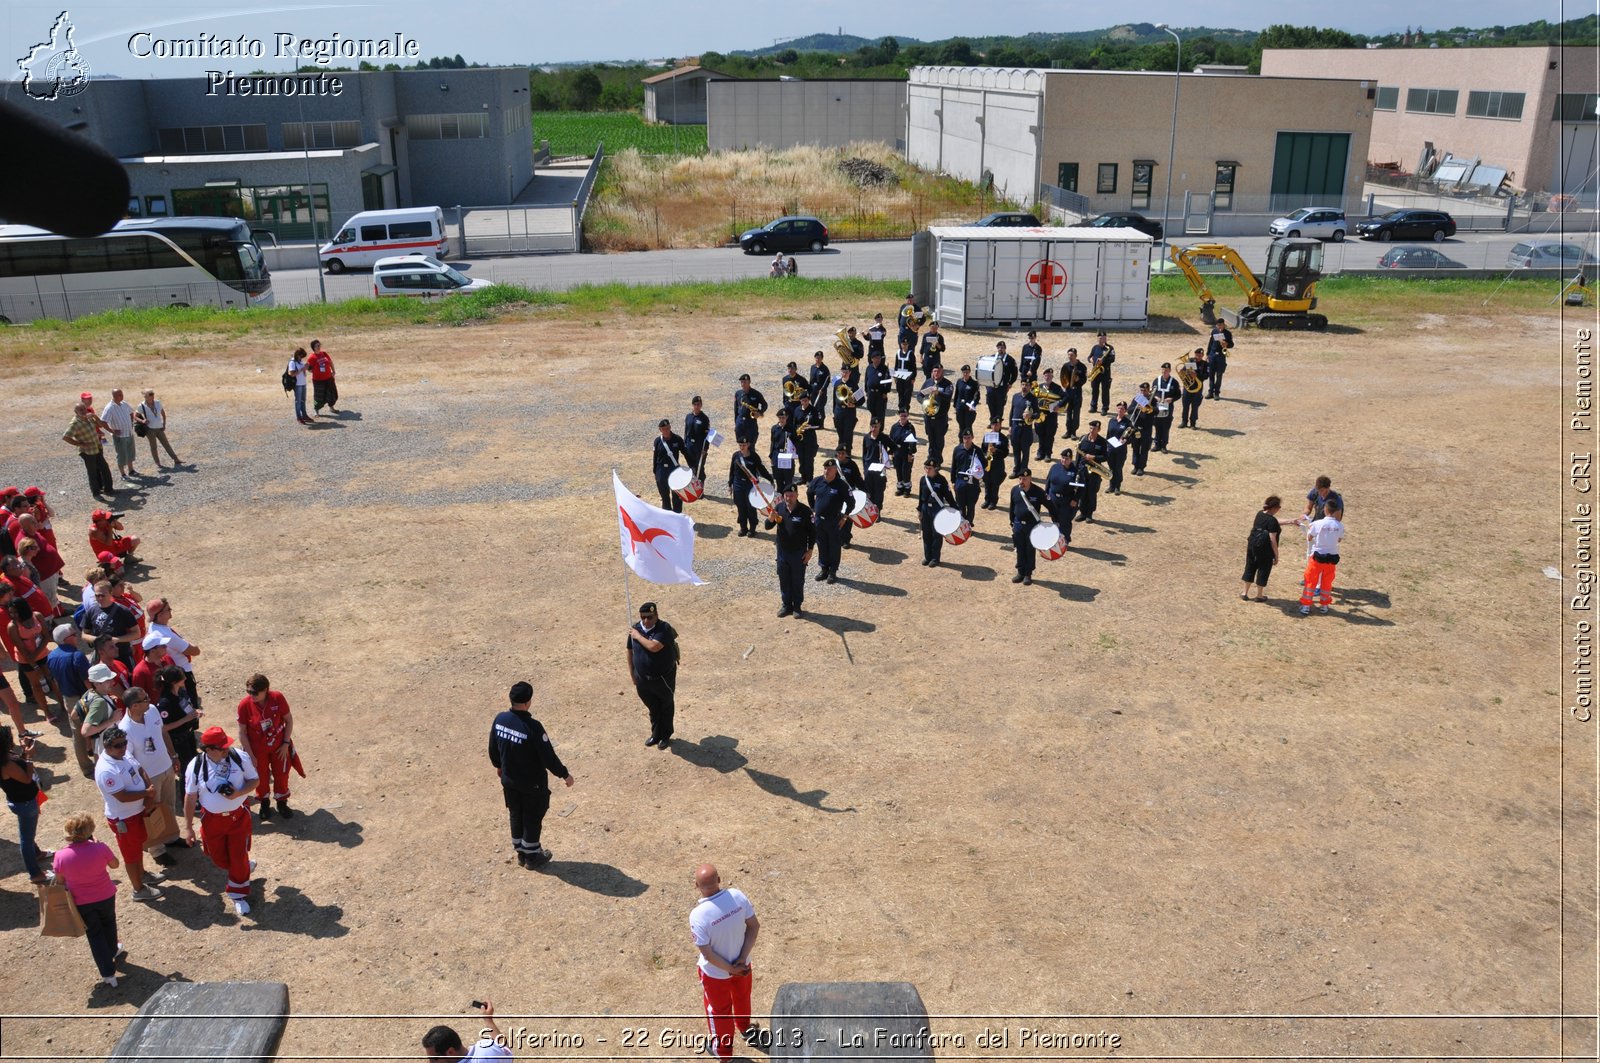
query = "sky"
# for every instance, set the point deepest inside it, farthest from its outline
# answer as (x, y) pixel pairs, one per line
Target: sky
(108, 35)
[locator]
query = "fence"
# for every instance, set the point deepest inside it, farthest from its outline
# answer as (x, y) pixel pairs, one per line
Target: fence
(525, 228)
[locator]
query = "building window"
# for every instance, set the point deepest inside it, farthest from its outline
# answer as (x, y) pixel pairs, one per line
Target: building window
(323, 135)
(211, 139)
(1431, 101)
(279, 209)
(513, 119)
(1577, 107)
(470, 126)
(1067, 176)
(1495, 104)
(155, 206)
(1388, 98)
(1106, 183)
(1222, 191)
(1143, 171)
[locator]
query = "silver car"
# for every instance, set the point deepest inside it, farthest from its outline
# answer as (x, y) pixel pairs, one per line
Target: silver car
(1324, 223)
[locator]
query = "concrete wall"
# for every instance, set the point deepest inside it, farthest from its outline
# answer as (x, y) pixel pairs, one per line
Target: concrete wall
(782, 114)
(967, 120)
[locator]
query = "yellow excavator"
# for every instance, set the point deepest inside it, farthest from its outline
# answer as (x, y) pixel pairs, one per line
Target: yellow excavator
(1282, 298)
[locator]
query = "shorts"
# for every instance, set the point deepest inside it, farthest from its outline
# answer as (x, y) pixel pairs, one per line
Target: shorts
(1257, 567)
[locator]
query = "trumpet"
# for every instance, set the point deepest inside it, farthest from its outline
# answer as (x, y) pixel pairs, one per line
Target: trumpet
(847, 353)
(792, 390)
(845, 396)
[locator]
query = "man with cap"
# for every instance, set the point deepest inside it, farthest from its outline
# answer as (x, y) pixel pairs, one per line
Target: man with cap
(665, 453)
(879, 382)
(850, 476)
(521, 752)
(218, 782)
(267, 727)
(792, 386)
(903, 441)
(846, 386)
(796, 538)
(933, 494)
(938, 392)
(1050, 402)
(748, 404)
(968, 392)
(743, 471)
(84, 433)
(904, 373)
(1092, 447)
(1117, 446)
(819, 380)
(966, 468)
(1022, 407)
(1166, 391)
(1104, 355)
(829, 497)
(782, 451)
(127, 794)
(696, 434)
(995, 449)
(1032, 356)
(932, 351)
(152, 660)
(1007, 375)
(807, 419)
(1028, 504)
(876, 334)
(1073, 374)
(99, 707)
(906, 318)
(653, 664)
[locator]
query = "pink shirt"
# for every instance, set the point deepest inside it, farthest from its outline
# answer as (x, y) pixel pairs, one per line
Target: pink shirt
(82, 866)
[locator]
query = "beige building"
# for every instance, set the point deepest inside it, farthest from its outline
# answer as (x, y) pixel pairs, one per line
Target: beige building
(1246, 147)
(678, 97)
(1528, 111)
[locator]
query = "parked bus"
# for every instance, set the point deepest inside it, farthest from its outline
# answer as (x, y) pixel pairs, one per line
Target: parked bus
(140, 262)
(375, 234)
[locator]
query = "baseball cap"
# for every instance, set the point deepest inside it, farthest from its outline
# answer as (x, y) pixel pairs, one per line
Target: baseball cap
(663, 423)
(62, 633)
(215, 736)
(154, 639)
(34, 492)
(101, 516)
(106, 557)
(521, 693)
(101, 673)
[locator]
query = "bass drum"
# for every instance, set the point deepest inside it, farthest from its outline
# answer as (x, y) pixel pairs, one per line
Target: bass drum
(949, 523)
(863, 513)
(1048, 540)
(989, 372)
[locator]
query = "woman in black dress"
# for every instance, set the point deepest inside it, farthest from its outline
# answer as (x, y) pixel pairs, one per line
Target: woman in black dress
(1261, 551)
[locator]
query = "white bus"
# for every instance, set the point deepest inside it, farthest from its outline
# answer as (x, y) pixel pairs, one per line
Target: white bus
(375, 234)
(140, 262)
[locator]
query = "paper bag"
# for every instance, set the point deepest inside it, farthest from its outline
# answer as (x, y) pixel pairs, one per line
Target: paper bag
(58, 916)
(160, 826)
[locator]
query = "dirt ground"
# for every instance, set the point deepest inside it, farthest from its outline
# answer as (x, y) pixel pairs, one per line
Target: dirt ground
(1120, 792)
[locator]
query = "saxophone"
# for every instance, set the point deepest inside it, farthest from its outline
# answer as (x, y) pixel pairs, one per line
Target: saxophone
(988, 458)
(1094, 371)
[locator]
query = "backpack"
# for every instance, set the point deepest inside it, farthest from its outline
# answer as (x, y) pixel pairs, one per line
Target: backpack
(288, 381)
(202, 774)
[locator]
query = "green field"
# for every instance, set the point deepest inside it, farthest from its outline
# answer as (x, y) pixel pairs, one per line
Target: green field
(578, 132)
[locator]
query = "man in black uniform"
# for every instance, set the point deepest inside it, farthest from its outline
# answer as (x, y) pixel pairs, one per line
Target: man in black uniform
(877, 458)
(937, 392)
(850, 476)
(1165, 390)
(876, 334)
(792, 386)
(906, 319)
(1027, 503)
(933, 494)
(521, 752)
(1073, 373)
(967, 395)
(653, 662)
(804, 424)
(1092, 446)
(903, 438)
(994, 451)
(664, 459)
(1032, 355)
(743, 471)
(1142, 415)
(996, 395)
(830, 504)
(1117, 456)
(1104, 355)
(1021, 431)
(1217, 349)
(844, 405)
(748, 404)
(878, 385)
(1063, 487)
(966, 469)
(932, 351)
(696, 430)
(1045, 430)
(904, 373)
(796, 537)
(820, 381)
(782, 451)
(1191, 399)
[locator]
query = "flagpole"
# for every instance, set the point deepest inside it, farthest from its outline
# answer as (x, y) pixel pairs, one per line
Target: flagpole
(627, 584)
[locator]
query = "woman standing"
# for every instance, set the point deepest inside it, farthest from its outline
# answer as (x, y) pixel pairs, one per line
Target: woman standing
(153, 416)
(21, 788)
(82, 865)
(1261, 550)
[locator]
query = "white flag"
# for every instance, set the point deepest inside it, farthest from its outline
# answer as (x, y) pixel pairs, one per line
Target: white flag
(657, 544)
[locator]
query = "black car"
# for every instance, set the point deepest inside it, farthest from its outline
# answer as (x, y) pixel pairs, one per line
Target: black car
(1416, 258)
(792, 233)
(1433, 225)
(1008, 219)
(1125, 220)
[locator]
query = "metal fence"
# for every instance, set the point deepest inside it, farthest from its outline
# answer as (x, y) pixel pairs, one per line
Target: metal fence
(525, 228)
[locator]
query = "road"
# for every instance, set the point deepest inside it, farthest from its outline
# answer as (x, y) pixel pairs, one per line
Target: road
(879, 260)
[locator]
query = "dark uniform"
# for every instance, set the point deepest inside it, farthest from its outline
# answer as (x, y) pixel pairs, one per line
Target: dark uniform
(994, 469)
(664, 459)
(1217, 352)
(876, 450)
(745, 426)
(1105, 355)
(850, 473)
(1021, 432)
(1142, 431)
(876, 334)
(968, 392)
(521, 751)
(969, 483)
(1063, 488)
(932, 354)
(938, 423)
(830, 503)
(1164, 391)
(844, 410)
(1089, 499)
(903, 437)
(1046, 429)
(796, 537)
(795, 385)
(820, 381)
(1072, 377)
(655, 677)
(996, 395)
(1026, 509)
(905, 318)
(812, 417)
(696, 429)
(781, 440)
(879, 382)
(1028, 364)
(933, 494)
(743, 470)
(905, 362)
(1116, 457)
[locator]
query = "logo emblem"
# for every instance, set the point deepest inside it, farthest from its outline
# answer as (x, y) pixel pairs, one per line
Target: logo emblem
(54, 69)
(1045, 279)
(647, 536)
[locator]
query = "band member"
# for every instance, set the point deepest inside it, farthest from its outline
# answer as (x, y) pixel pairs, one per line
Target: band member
(903, 438)
(820, 380)
(1165, 390)
(792, 386)
(796, 538)
(878, 385)
(1092, 447)
(1104, 355)
(1217, 349)
(933, 494)
(1117, 446)
(1022, 406)
(830, 504)
(966, 467)
(782, 451)
(1028, 504)
(1032, 356)
(1045, 430)
(1064, 486)
(1322, 539)
(850, 473)
(665, 454)
(877, 458)
(846, 385)
(904, 373)
(907, 320)
(805, 422)
(1142, 416)
(1191, 399)
(858, 353)
(938, 394)
(967, 394)
(994, 450)
(1073, 374)
(876, 334)
(743, 471)
(996, 395)
(748, 404)
(696, 430)
(932, 351)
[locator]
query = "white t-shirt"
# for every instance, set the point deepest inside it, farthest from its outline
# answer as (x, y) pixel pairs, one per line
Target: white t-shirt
(718, 921)
(202, 778)
(119, 415)
(176, 647)
(297, 368)
(112, 774)
(487, 1049)
(1324, 535)
(146, 743)
(156, 416)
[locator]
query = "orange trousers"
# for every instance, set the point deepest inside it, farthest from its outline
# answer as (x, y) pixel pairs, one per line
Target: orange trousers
(1318, 577)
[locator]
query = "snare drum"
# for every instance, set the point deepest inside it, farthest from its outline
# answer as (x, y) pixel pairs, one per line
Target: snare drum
(949, 523)
(767, 504)
(683, 484)
(990, 373)
(863, 512)
(1048, 540)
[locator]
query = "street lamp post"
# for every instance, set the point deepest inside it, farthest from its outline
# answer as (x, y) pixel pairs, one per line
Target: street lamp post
(1172, 145)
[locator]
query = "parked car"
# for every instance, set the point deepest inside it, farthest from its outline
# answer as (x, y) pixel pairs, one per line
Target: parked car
(1549, 254)
(1417, 258)
(421, 278)
(792, 233)
(1125, 220)
(1433, 225)
(1322, 222)
(1008, 218)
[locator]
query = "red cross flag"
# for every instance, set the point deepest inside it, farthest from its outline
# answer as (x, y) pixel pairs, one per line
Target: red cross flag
(657, 544)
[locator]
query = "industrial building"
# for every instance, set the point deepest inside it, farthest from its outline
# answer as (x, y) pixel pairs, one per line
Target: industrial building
(678, 97)
(786, 112)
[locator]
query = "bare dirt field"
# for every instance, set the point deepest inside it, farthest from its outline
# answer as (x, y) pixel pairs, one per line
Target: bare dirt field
(1119, 792)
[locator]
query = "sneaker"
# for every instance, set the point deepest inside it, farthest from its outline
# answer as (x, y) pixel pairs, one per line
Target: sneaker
(538, 858)
(266, 810)
(1323, 609)
(154, 875)
(252, 867)
(122, 953)
(145, 893)
(240, 905)
(1305, 610)
(31, 734)
(109, 980)
(284, 810)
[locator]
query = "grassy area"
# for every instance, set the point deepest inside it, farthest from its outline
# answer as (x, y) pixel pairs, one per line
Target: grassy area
(578, 133)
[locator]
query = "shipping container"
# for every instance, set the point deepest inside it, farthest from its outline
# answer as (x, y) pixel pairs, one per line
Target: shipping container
(1043, 278)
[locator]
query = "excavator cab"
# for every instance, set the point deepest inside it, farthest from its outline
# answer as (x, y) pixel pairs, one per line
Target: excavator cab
(1293, 269)
(1282, 298)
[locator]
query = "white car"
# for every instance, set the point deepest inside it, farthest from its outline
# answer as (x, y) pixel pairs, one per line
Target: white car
(421, 278)
(1324, 223)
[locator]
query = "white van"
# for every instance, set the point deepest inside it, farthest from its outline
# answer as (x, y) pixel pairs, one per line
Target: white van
(375, 234)
(421, 278)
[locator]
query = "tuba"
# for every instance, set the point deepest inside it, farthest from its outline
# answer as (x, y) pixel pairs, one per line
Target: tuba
(1188, 377)
(847, 353)
(845, 396)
